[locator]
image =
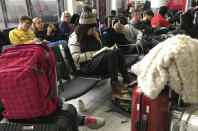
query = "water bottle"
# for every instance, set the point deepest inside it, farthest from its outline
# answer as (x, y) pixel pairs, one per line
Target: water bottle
(81, 106)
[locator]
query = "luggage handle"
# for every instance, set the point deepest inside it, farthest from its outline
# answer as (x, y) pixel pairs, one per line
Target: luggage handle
(189, 116)
(144, 122)
(141, 102)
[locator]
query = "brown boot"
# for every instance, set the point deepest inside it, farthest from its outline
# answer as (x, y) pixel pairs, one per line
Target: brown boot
(117, 88)
(128, 78)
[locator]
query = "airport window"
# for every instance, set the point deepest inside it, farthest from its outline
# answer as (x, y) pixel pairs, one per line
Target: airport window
(1, 15)
(15, 9)
(45, 9)
(1, 19)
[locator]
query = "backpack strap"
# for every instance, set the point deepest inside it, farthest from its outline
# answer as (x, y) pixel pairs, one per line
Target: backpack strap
(53, 92)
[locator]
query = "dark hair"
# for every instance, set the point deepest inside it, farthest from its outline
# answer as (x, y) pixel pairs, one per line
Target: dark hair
(24, 18)
(74, 18)
(149, 13)
(163, 10)
(113, 12)
(87, 43)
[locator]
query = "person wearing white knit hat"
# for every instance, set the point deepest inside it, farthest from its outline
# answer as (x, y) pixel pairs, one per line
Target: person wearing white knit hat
(85, 41)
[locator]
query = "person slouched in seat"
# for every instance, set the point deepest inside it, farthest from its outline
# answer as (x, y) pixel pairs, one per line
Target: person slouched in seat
(116, 35)
(84, 42)
(47, 35)
(22, 34)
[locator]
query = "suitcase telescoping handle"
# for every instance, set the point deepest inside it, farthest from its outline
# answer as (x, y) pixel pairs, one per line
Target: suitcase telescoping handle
(141, 126)
(144, 122)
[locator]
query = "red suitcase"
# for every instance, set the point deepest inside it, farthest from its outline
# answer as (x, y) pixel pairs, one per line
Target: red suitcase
(149, 114)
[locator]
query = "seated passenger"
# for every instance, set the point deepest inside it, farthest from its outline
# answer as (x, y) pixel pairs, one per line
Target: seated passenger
(145, 25)
(47, 35)
(116, 35)
(84, 42)
(65, 26)
(108, 20)
(160, 18)
(132, 34)
(121, 33)
(22, 33)
(136, 16)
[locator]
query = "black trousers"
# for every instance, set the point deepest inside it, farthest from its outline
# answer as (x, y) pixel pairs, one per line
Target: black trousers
(108, 63)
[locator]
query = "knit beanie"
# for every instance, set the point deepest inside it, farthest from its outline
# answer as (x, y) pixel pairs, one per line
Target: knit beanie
(87, 17)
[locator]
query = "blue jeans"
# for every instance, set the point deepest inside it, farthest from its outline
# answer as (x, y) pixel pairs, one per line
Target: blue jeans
(60, 42)
(80, 118)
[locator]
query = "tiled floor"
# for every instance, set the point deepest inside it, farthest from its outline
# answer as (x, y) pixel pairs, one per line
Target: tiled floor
(98, 103)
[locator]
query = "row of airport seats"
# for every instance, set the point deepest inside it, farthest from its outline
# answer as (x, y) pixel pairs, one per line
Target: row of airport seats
(72, 83)
(66, 70)
(69, 89)
(79, 83)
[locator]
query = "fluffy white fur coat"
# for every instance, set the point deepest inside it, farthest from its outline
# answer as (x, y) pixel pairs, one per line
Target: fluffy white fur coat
(173, 62)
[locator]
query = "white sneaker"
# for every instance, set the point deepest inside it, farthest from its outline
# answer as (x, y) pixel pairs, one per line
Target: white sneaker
(94, 122)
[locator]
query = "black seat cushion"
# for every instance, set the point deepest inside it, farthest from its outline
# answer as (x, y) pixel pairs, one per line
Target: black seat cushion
(64, 74)
(70, 60)
(5, 35)
(131, 59)
(77, 87)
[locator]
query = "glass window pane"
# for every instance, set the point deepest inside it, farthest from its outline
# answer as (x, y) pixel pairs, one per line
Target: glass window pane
(45, 9)
(1, 15)
(81, 3)
(15, 8)
(1, 18)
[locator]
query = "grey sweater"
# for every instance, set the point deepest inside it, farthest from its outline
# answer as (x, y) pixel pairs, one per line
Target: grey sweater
(132, 34)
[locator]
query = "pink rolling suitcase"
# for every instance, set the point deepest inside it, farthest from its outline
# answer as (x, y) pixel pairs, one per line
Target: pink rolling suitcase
(149, 114)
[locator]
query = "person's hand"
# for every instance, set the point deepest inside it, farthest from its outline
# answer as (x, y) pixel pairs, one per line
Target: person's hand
(37, 39)
(145, 18)
(45, 41)
(178, 12)
(196, 7)
(138, 41)
(94, 33)
(102, 25)
(156, 26)
(52, 26)
(94, 51)
(49, 30)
